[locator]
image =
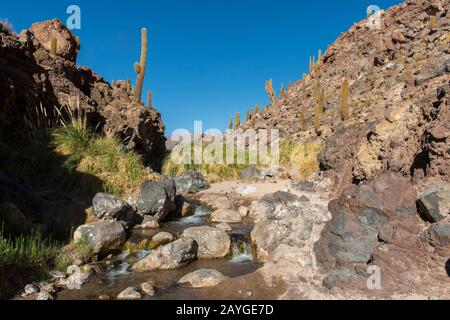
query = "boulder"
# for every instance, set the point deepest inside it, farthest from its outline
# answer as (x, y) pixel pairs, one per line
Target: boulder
(157, 198)
(102, 237)
(280, 218)
(438, 236)
(129, 294)
(191, 182)
(171, 256)
(161, 238)
(67, 46)
(226, 215)
(147, 288)
(203, 278)
(434, 204)
(184, 207)
(109, 207)
(212, 242)
(364, 218)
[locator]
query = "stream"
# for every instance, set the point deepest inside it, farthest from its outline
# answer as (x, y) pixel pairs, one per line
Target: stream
(117, 276)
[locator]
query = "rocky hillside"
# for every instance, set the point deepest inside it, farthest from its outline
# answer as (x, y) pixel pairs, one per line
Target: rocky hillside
(399, 86)
(34, 80)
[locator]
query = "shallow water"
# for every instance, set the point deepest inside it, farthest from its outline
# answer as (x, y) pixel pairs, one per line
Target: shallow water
(118, 277)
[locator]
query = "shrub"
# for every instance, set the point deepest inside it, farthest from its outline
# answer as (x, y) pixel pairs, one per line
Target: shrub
(345, 100)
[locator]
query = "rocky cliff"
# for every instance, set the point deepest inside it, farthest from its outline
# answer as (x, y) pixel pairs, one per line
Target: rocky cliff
(399, 87)
(34, 80)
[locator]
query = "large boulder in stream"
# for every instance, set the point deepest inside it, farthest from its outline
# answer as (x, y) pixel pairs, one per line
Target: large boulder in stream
(212, 242)
(157, 198)
(191, 182)
(109, 207)
(283, 218)
(103, 237)
(171, 256)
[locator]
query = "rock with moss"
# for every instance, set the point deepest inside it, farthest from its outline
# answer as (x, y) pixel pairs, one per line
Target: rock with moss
(102, 237)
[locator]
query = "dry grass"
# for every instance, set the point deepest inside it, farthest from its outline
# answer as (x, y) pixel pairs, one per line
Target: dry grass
(301, 157)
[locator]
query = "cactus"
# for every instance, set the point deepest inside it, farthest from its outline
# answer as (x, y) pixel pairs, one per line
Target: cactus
(53, 46)
(237, 122)
(302, 120)
(150, 99)
(247, 116)
(433, 22)
(319, 58)
(282, 91)
(113, 84)
(139, 68)
(345, 99)
(319, 108)
(304, 81)
(129, 86)
(230, 126)
(256, 110)
(311, 65)
(270, 91)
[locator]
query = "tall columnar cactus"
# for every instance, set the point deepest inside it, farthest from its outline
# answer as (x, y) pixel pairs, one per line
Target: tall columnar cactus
(270, 91)
(312, 65)
(345, 99)
(319, 58)
(53, 46)
(150, 99)
(433, 22)
(230, 125)
(319, 109)
(247, 116)
(282, 91)
(304, 81)
(139, 68)
(237, 122)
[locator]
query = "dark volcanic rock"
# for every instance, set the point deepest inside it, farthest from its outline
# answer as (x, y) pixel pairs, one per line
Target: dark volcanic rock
(434, 204)
(364, 217)
(191, 182)
(109, 207)
(157, 198)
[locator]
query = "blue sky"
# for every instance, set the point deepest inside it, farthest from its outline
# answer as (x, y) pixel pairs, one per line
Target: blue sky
(207, 58)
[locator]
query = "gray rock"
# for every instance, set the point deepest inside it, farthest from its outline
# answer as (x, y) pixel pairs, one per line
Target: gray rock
(203, 278)
(31, 289)
(439, 234)
(103, 237)
(212, 242)
(171, 256)
(109, 207)
(434, 204)
(157, 198)
(250, 173)
(129, 294)
(191, 182)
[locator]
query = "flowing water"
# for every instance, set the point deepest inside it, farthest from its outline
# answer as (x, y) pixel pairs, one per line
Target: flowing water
(118, 276)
